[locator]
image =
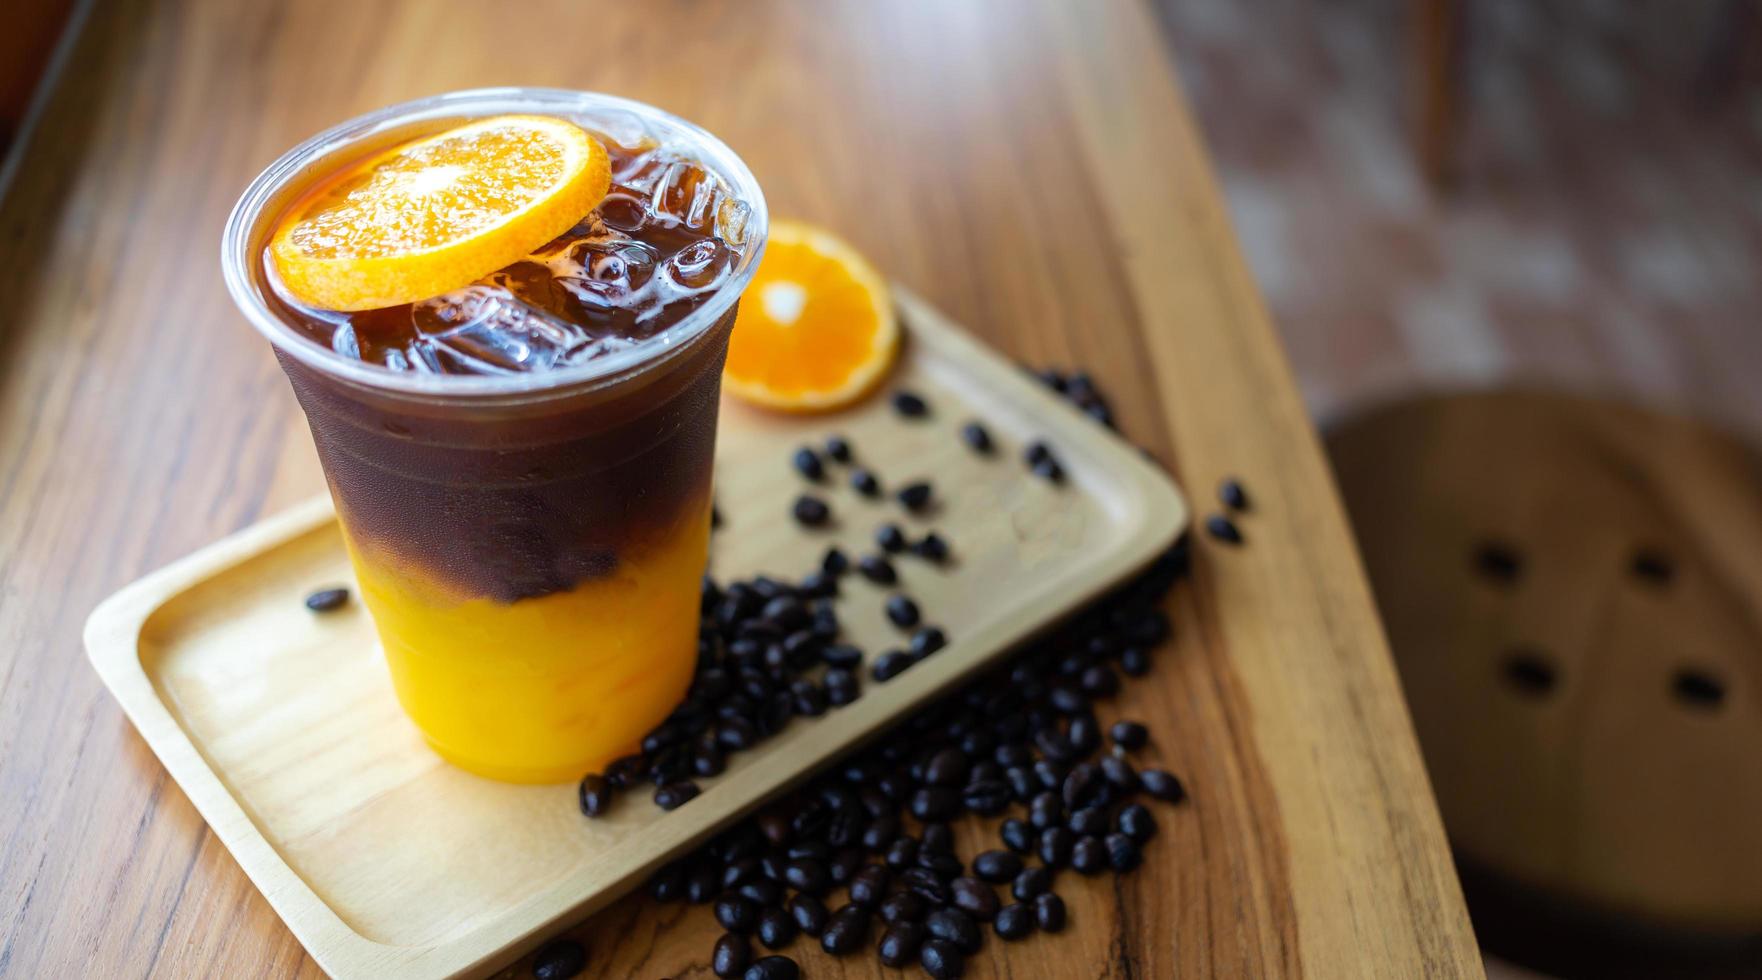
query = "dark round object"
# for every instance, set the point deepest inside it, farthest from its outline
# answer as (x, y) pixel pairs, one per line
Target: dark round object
(559, 960)
(1231, 494)
(809, 913)
(773, 968)
(926, 641)
(1055, 846)
(947, 768)
(732, 956)
(935, 802)
(941, 960)
(1031, 883)
(807, 875)
(1049, 470)
(997, 866)
(1120, 773)
(702, 884)
(675, 795)
(1162, 785)
(899, 944)
(811, 511)
(926, 884)
(931, 547)
(938, 837)
(761, 891)
(737, 913)
(776, 928)
(847, 932)
(838, 448)
(877, 569)
(841, 655)
(889, 538)
(902, 853)
(842, 687)
(1129, 734)
(1013, 921)
(1049, 913)
(955, 926)
(902, 611)
(1016, 835)
(596, 795)
(1123, 853)
(1223, 529)
(910, 405)
(915, 497)
(977, 438)
(327, 600)
(1035, 452)
(835, 561)
(1136, 821)
(903, 907)
(974, 897)
(1134, 662)
(807, 463)
(869, 886)
(865, 483)
(1089, 855)
(890, 665)
(1088, 820)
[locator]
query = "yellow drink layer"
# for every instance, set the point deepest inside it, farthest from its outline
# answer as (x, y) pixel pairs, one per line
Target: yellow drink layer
(544, 689)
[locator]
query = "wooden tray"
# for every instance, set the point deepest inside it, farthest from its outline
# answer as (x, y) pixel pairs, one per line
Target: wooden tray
(282, 728)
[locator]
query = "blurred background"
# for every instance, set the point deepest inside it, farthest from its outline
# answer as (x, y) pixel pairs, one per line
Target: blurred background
(1515, 252)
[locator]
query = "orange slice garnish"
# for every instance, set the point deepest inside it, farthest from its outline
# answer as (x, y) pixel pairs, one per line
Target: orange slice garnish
(438, 213)
(816, 328)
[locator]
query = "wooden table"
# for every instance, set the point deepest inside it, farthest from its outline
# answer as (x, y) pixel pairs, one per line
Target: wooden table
(1028, 165)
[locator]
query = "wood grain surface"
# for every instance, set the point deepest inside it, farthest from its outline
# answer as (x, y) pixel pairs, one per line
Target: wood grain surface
(1027, 165)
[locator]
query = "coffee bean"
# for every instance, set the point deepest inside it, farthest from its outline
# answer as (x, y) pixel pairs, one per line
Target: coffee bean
(1052, 378)
(937, 838)
(737, 913)
(915, 496)
(732, 956)
(835, 561)
(925, 884)
(910, 405)
(1134, 662)
(596, 795)
(845, 865)
(942, 960)
(327, 600)
(987, 796)
(899, 944)
(1013, 922)
(1047, 809)
(974, 897)
(1089, 856)
(1080, 785)
(877, 570)
(977, 438)
(945, 864)
(702, 884)
(1162, 785)
(1231, 494)
(926, 641)
(865, 483)
(675, 795)
(881, 831)
(841, 655)
(903, 907)
(809, 698)
(838, 448)
(773, 968)
(847, 932)
(1031, 883)
(1055, 846)
(811, 511)
(842, 686)
(1122, 852)
(668, 884)
(931, 547)
(807, 463)
(808, 876)
(947, 768)
(809, 913)
(869, 886)
(889, 538)
(1049, 470)
(955, 926)
(1136, 822)
(1129, 734)
(1022, 784)
(1223, 529)
(559, 960)
(1088, 820)
(935, 803)
(902, 853)
(1036, 451)
(1100, 682)
(890, 665)
(1120, 773)
(776, 928)
(902, 611)
(1017, 835)
(1049, 913)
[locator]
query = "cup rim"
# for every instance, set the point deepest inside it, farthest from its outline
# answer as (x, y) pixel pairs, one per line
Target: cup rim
(237, 254)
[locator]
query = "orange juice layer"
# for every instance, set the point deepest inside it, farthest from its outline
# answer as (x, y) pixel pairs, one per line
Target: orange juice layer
(545, 689)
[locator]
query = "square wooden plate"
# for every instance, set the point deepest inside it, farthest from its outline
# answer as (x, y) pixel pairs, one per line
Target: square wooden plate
(282, 728)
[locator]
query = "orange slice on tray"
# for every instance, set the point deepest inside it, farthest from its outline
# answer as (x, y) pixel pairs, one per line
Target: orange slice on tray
(816, 328)
(438, 213)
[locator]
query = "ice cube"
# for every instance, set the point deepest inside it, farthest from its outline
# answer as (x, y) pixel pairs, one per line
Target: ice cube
(486, 329)
(699, 266)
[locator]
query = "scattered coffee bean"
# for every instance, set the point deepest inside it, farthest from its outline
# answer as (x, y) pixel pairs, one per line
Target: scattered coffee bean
(807, 463)
(1055, 846)
(809, 913)
(865, 483)
(1231, 494)
(1088, 820)
(935, 803)
(955, 926)
(1129, 734)
(811, 511)
(838, 448)
(736, 913)
(899, 944)
(1223, 529)
(1031, 883)
(1013, 921)
(1120, 773)
(915, 496)
(910, 405)
(596, 795)
(931, 547)
(926, 885)
(877, 569)
(973, 897)
(941, 959)
(997, 866)
(1017, 835)
(1162, 785)
(890, 665)
(847, 932)
(1050, 470)
(776, 928)
(903, 907)
(326, 600)
(926, 641)
(977, 438)
(732, 956)
(1123, 853)
(889, 538)
(902, 611)
(938, 838)
(1089, 856)
(674, 795)
(842, 687)
(1049, 913)
(1136, 822)
(773, 968)
(869, 886)
(559, 960)
(807, 875)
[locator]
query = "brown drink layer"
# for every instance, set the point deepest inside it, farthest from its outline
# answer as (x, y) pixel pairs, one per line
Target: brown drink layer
(511, 497)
